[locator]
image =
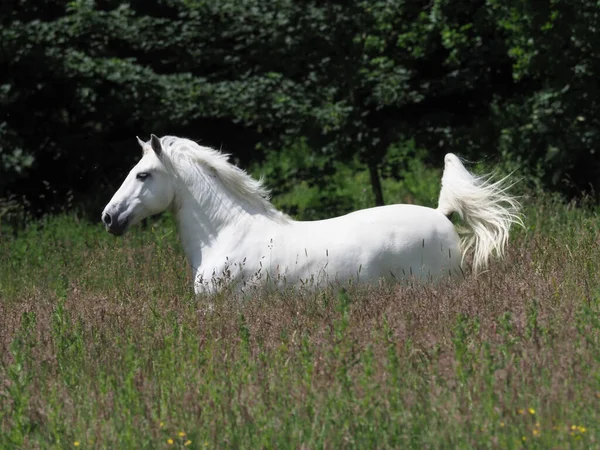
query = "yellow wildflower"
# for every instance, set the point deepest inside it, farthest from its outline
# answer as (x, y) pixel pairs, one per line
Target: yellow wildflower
(582, 429)
(76, 443)
(502, 424)
(531, 411)
(536, 432)
(188, 442)
(162, 424)
(170, 441)
(181, 434)
(520, 411)
(523, 438)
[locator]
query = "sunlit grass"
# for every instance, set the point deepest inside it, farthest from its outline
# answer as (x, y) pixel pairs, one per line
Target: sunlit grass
(104, 346)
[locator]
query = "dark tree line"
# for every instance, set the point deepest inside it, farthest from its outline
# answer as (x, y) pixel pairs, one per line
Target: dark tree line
(486, 79)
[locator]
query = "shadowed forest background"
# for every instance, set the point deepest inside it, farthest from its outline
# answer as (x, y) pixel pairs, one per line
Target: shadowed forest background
(325, 99)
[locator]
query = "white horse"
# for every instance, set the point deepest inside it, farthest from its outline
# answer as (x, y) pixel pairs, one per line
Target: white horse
(232, 233)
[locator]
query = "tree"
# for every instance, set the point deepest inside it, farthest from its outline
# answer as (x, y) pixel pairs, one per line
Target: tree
(343, 80)
(553, 127)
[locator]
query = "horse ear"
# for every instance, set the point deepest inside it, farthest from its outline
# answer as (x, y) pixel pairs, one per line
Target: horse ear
(142, 143)
(155, 144)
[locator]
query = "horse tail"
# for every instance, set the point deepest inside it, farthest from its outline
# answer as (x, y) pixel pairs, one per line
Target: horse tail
(485, 206)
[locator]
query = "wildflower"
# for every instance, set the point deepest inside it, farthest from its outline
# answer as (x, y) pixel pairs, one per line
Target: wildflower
(536, 432)
(76, 443)
(162, 424)
(170, 441)
(523, 438)
(181, 434)
(501, 424)
(575, 429)
(531, 411)
(520, 411)
(188, 442)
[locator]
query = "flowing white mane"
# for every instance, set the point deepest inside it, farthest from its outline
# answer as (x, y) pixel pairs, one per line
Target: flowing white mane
(184, 153)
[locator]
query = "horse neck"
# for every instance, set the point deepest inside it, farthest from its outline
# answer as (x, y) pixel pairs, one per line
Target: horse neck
(202, 211)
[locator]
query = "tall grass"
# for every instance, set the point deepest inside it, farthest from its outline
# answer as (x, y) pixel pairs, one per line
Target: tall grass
(103, 345)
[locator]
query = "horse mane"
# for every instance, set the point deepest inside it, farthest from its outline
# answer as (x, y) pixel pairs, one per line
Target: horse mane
(184, 152)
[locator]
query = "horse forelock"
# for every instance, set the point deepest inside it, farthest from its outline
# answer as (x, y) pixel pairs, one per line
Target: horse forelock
(186, 157)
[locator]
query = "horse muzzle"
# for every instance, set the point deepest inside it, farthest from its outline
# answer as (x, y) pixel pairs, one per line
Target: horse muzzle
(114, 223)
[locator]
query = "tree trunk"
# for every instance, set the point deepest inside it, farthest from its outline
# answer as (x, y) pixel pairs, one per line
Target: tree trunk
(376, 184)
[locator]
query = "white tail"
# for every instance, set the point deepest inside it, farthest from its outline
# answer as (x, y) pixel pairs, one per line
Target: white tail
(485, 206)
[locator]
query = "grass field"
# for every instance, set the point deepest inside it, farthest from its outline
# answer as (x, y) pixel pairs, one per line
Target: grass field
(103, 345)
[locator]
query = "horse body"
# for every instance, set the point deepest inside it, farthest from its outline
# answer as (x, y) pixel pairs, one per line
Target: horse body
(231, 233)
(391, 242)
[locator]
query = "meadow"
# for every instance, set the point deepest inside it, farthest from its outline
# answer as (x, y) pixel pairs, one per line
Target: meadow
(103, 345)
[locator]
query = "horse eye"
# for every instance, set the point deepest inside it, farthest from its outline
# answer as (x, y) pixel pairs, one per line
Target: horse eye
(142, 176)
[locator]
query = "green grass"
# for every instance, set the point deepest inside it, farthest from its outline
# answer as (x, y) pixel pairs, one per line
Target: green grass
(104, 345)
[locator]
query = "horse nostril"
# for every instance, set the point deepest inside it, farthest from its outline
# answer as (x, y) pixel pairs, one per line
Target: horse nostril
(107, 219)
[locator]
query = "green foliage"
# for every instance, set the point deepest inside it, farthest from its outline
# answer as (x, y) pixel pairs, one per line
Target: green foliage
(552, 126)
(345, 188)
(342, 83)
